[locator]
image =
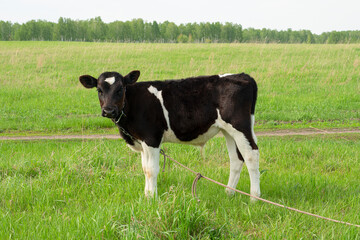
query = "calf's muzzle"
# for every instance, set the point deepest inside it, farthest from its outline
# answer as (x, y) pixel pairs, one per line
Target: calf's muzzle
(109, 112)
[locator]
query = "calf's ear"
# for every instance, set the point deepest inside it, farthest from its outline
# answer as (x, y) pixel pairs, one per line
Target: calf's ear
(88, 81)
(132, 77)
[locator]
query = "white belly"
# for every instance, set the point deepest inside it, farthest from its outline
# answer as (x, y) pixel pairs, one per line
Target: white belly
(169, 136)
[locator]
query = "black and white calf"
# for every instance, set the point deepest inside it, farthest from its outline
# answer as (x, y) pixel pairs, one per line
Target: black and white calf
(189, 111)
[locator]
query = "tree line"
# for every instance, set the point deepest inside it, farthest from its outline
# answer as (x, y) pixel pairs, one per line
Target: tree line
(138, 30)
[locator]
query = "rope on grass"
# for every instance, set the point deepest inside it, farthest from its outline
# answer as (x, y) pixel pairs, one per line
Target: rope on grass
(199, 175)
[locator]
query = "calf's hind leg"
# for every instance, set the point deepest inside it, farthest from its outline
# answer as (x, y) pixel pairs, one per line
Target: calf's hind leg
(252, 163)
(236, 163)
(250, 153)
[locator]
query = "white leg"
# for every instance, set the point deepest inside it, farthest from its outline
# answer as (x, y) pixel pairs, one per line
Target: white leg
(150, 165)
(235, 163)
(251, 157)
(252, 164)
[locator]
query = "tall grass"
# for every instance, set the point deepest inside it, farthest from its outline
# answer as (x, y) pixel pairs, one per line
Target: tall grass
(299, 85)
(94, 190)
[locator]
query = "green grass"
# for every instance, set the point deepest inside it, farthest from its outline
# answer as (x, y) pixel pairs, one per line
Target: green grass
(94, 190)
(300, 86)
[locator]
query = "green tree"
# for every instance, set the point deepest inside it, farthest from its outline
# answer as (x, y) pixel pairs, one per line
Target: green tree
(228, 32)
(310, 38)
(22, 33)
(182, 38)
(5, 31)
(171, 32)
(333, 38)
(156, 30)
(97, 29)
(61, 29)
(137, 30)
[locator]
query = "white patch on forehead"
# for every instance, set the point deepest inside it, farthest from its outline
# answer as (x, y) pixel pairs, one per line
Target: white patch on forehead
(224, 75)
(110, 80)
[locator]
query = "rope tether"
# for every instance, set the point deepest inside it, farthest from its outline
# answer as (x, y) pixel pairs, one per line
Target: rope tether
(193, 188)
(198, 176)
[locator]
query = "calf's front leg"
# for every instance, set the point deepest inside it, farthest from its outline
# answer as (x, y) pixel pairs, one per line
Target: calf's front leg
(150, 164)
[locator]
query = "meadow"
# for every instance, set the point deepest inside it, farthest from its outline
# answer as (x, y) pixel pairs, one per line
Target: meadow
(93, 189)
(299, 85)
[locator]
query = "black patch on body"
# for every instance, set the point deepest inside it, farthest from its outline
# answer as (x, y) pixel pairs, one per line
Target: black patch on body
(144, 115)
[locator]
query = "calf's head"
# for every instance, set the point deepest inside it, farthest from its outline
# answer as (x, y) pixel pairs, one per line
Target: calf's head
(111, 87)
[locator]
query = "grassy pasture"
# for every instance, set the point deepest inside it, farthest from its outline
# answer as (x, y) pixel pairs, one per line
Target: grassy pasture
(299, 85)
(94, 190)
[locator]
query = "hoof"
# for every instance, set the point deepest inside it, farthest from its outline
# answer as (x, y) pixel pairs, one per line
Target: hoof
(253, 200)
(229, 192)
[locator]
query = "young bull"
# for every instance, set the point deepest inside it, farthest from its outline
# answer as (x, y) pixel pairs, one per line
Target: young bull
(189, 111)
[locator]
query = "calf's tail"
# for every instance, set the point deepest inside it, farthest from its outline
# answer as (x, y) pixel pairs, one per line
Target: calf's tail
(254, 98)
(255, 90)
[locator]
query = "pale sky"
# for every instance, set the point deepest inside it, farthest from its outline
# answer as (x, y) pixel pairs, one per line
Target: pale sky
(315, 15)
